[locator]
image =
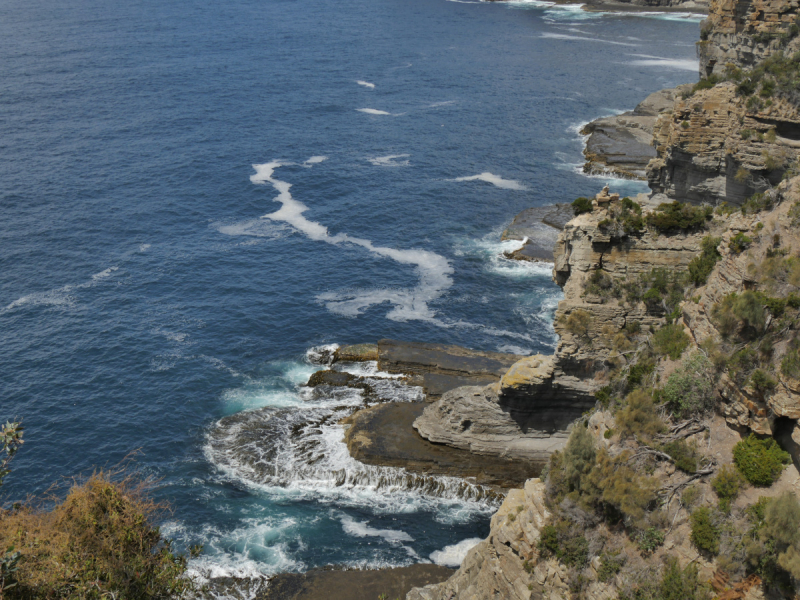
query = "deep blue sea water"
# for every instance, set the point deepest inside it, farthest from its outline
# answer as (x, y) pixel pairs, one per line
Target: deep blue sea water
(145, 301)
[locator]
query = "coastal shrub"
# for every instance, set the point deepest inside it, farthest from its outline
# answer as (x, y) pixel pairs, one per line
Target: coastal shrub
(581, 205)
(639, 371)
(579, 457)
(599, 283)
(682, 584)
(671, 340)
(782, 527)
(761, 462)
(675, 216)
(728, 483)
(705, 534)
(624, 218)
(740, 313)
(684, 454)
(689, 391)
(649, 540)
(700, 266)
(619, 488)
(99, 542)
(758, 202)
(660, 289)
(741, 364)
(790, 364)
(578, 322)
(739, 243)
(565, 542)
(762, 381)
(610, 564)
(603, 396)
(638, 417)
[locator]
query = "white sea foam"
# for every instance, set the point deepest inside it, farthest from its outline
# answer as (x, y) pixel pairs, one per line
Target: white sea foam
(144, 247)
(564, 36)
(452, 556)
(508, 184)
(63, 296)
(362, 529)
(254, 228)
(408, 304)
(366, 84)
(314, 160)
(390, 161)
(512, 349)
(666, 63)
(373, 111)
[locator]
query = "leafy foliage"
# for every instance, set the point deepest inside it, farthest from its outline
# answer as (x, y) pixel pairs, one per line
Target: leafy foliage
(638, 417)
(578, 322)
(728, 483)
(675, 216)
(684, 454)
(701, 265)
(739, 243)
(11, 438)
(614, 483)
(581, 205)
(760, 461)
(649, 540)
(689, 390)
(671, 340)
(705, 534)
(565, 543)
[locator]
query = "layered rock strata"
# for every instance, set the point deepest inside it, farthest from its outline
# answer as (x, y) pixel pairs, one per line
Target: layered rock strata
(439, 367)
(744, 33)
(712, 149)
(537, 228)
(622, 145)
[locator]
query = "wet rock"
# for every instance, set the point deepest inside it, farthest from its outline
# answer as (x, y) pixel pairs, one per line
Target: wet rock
(538, 228)
(382, 435)
(356, 353)
(329, 377)
(352, 584)
(439, 368)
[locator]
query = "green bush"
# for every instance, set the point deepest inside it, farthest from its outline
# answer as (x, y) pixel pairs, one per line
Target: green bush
(638, 417)
(677, 584)
(671, 340)
(674, 216)
(762, 381)
(728, 483)
(705, 534)
(610, 565)
(579, 457)
(745, 311)
(782, 527)
(649, 540)
(639, 371)
(615, 486)
(700, 266)
(578, 322)
(790, 365)
(741, 364)
(689, 390)
(760, 461)
(581, 205)
(756, 203)
(684, 455)
(565, 542)
(739, 243)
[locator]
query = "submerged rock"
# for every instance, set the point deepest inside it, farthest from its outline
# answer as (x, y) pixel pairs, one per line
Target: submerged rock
(356, 353)
(538, 228)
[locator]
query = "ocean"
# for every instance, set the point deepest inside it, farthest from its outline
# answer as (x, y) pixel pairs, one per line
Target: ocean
(197, 196)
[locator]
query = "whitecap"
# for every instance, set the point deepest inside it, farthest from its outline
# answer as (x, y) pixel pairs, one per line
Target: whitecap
(667, 63)
(390, 160)
(408, 304)
(452, 556)
(314, 160)
(373, 111)
(512, 349)
(362, 529)
(106, 273)
(563, 36)
(252, 227)
(366, 84)
(62, 296)
(144, 247)
(507, 184)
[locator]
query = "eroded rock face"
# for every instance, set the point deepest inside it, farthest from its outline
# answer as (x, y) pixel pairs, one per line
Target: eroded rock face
(622, 145)
(744, 33)
(712, 149)
(505, 566)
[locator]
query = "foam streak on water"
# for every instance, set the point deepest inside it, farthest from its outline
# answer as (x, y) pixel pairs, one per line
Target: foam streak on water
(409, 304)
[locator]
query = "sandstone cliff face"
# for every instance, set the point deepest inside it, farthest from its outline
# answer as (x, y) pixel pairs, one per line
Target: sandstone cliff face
(505, 566)
(744, 33)
(712, 149)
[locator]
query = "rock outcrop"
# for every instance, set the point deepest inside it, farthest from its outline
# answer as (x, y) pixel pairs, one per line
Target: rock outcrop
(665, 5)
(744, 33)
(537, 228)
(622, 145)
(439, 367)
(505, 566)
(713, 149)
